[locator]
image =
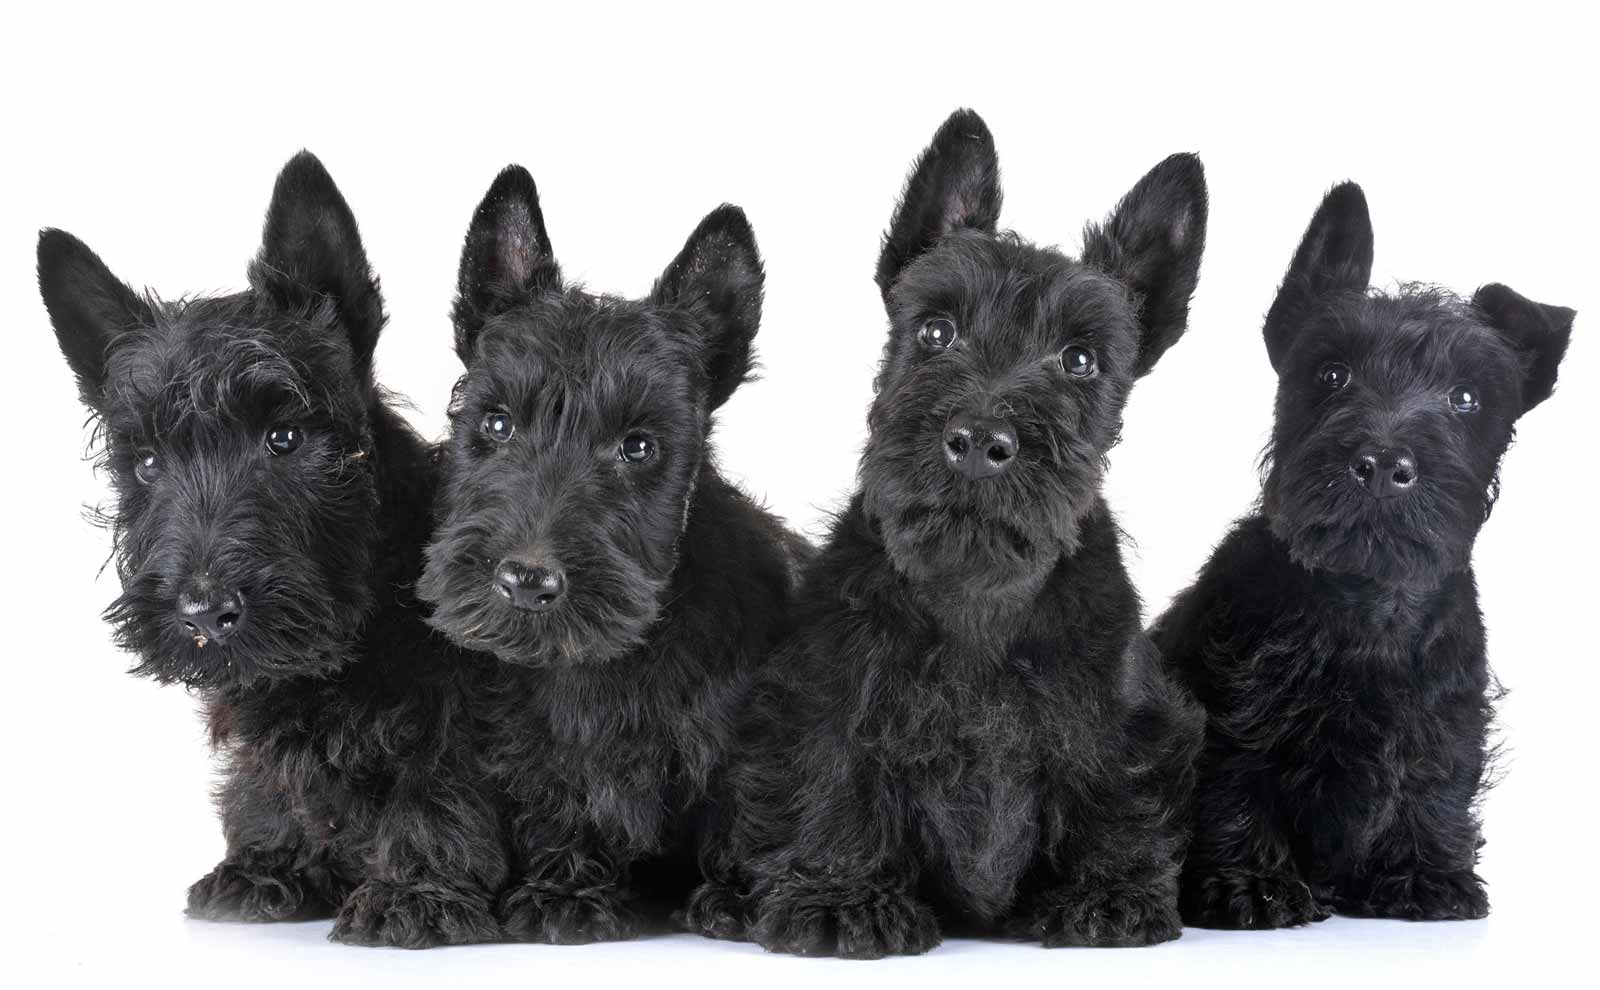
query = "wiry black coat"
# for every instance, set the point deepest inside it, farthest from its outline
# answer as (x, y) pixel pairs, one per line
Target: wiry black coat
(1334, 637)
(660, 586)
(255, 462)
(968, 726)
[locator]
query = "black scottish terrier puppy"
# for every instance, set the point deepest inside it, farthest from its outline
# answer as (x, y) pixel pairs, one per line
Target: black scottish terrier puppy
(1334, 637)
(968, 724)
(587, 540)
(271, 510)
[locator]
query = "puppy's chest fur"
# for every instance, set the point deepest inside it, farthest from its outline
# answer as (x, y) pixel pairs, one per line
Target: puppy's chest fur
(624, 748)
(966, 741)
(329, 751)
(1353, 700)
(967, 728)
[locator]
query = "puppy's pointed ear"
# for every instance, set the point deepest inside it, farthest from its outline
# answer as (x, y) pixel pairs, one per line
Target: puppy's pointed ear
(719, 273)
(1540, 333)
(1334, 257)
(506, 258)
(88, 307)
(954, 184)
(311, 251)
(1152, 242)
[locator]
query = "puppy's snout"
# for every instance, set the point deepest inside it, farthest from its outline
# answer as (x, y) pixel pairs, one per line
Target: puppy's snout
(1384, 472)
(209, 612)
(978, 447)
(530, 586)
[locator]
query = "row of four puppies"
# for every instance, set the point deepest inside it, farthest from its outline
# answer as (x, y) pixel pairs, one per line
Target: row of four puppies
(966, 724)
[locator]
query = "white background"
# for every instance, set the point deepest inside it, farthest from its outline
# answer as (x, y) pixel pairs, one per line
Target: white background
(156, 137)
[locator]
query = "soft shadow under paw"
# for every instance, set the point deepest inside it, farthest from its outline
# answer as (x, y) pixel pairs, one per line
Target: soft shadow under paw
(1247, 900)
(414, 916)
(861, 923)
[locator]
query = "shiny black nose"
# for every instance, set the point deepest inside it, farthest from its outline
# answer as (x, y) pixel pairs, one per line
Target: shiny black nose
(211, 614)
(1384, 471)
(977, 447)
(530, 587)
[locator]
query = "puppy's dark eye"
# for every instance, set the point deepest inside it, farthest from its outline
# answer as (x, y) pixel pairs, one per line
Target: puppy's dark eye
(1079, 362)
(497, 425)
(284, 440)
(1334, 376)
(636, 448)
(1464, 399)
(938, 333)
(146, 466)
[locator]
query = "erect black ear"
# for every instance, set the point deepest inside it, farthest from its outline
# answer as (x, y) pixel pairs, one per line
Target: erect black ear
(1152, 242)
(955, 183)
(719, 272)
(88, 307)
(1539, 332)
(506, 257)
(311, 251)
(1334, 257)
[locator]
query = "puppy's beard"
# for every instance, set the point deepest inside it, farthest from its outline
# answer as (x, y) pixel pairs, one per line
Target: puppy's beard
(279, 642)
(1335, 526)
(967, 552)
(599, 621)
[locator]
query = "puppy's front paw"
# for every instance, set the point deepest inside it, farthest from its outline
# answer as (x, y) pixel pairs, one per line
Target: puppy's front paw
(1106, 917)
(534, 912)
(1236, 899)
(256, 889)
(1453, 896)
(851, 923)
(715, 911)
(414, 916)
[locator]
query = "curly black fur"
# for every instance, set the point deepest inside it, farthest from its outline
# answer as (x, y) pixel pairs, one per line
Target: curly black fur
(616, 704)
(344, 724)
(1334, 637)
(968, 726)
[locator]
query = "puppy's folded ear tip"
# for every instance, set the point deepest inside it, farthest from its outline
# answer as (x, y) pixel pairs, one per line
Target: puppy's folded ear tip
(1495, 298)
(1491, 294)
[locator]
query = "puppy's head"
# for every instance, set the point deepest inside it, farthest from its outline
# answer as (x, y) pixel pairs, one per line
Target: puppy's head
(578, 434)
(1007, 365)
(1393, 410)
(235, 432)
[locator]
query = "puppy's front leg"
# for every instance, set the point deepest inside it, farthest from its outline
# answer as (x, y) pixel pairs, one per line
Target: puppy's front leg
(571, 888)
(1423, 867)
(432, 865)
(1113, 876)
(1241, 870)
(846, 883)
(273, 870)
